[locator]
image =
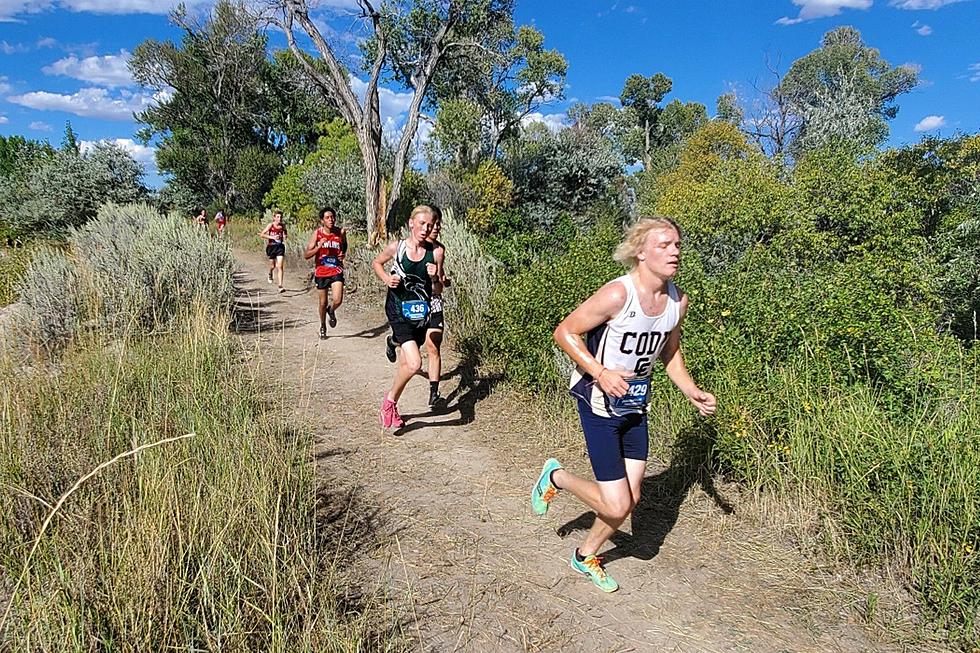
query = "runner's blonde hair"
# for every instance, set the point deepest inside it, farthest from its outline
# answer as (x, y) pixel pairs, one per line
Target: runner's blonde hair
(420, 209)
(628, 249)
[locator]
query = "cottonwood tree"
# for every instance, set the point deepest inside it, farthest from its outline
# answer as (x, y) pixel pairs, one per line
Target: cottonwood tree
(212, 99)
(408, 41)
(844, 71)
(652, 129)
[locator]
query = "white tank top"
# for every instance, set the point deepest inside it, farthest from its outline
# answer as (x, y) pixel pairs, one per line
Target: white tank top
(630, 341)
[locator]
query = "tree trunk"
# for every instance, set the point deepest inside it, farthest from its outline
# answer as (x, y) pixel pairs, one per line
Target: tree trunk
(646, 145)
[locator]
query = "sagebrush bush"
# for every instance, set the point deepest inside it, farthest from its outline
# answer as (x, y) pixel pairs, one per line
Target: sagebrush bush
(474, 276)
(129, 268)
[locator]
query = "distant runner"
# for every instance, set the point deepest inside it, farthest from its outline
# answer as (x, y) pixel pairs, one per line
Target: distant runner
(201, 219)
(614, 337)
(275, 237)
(219, 222)
(435, 326)
(328, 245)
(417, 265)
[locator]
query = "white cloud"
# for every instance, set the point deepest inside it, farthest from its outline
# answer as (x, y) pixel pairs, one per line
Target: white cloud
(929, 123)
(4, 84)
(141, 153)
(12, 48)
(922, 30)
(813, 9)
(87, 102)
(110, 70)
(37, 125)
(3, 119)
(974, 72)
(46, 42)
(921, 4)
(393, 105)
(611, 99)
(10, 9)
(553, 121)
(159, 7)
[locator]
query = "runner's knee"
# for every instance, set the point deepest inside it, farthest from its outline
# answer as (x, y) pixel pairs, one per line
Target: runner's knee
(619, 507)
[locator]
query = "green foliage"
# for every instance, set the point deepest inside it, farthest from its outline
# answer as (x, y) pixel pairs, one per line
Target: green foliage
(726, 195)
(18, 154)
(217, 537)
(568, 170)
(494, 193)
(457, 135)
(946, 174)
(119, 278)
(648, 132)
(205, 127)
(255, 171)
(52, 194)
(526, 307)
(337, 182)
(413, 193)
(841, 84)
(332, 175)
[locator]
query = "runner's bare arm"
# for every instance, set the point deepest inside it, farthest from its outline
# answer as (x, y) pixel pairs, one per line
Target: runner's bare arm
(311, 247)
(677, 371)
(439, 256)
(598, 309)
(343, 244)
(265, 232)
(388, 253)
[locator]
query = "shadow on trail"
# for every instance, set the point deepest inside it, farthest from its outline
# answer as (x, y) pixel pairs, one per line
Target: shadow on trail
(662, 496)
(253, 313)
(371, 333)
(472, 389)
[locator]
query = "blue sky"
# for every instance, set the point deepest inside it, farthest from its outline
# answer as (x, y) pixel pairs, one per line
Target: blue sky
(65, 60)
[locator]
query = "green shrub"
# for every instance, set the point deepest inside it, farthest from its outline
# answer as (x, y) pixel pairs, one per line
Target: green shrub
(494, 192)
(130, 269)
(526, 308)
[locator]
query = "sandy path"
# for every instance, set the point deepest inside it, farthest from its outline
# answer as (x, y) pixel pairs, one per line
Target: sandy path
(468, 566)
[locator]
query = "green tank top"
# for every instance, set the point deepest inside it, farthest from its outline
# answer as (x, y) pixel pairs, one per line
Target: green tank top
(416, 282)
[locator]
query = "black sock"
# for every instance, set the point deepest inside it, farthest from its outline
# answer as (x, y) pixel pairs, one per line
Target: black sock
(434, 386)
(579, 556)
(551, 477)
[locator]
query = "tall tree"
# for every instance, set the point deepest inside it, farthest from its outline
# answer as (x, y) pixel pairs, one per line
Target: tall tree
(213, 100)
(655, 128)
(844, 74)
(409, 41)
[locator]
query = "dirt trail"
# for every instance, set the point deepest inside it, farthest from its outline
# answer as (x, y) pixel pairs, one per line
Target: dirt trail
(468, 566)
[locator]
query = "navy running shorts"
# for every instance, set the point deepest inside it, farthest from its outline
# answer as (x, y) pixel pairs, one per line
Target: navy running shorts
(324, 283)
(610, 440)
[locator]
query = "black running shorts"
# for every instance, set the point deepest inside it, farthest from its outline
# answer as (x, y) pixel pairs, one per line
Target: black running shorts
(323, 283)
(275, 250)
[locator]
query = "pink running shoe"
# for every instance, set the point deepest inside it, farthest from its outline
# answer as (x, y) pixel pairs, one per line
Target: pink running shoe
(389, 414)
(396, 420)
(386, 412)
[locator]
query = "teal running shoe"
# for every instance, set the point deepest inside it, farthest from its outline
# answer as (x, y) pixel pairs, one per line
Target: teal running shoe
(592, 567)
(544, 490)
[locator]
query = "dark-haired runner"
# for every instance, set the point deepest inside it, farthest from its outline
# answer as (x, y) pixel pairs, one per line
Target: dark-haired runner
(436, 325)
(329, 245)
(614, 338)
(417, 264)
(275, 237)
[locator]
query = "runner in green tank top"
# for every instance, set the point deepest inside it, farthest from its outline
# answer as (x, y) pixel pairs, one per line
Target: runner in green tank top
(417, 266)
